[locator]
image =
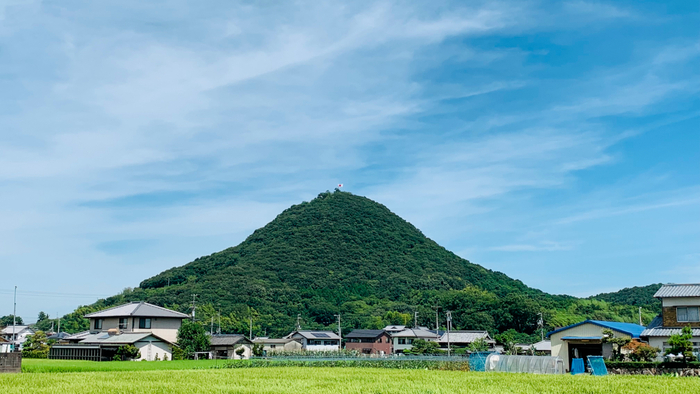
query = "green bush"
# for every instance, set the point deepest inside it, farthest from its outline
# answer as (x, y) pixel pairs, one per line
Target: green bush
(128, 352)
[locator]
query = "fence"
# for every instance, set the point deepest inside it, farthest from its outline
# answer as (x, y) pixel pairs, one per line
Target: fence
(11, 362)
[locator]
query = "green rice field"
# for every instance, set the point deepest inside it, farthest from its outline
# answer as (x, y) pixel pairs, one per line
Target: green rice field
(180, 377)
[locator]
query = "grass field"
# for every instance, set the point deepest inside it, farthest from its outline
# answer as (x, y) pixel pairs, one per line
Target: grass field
(33, 365)
(332, 380)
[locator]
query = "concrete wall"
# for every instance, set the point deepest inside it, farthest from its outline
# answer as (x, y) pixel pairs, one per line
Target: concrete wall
(561, 349)
(682, 301)
(11, 362)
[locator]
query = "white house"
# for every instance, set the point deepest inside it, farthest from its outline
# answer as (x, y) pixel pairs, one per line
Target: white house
(150, 328)
(680, 306)
(316, 341)
(403, 337)
(276, 345)
(227, 346)
(18, 334)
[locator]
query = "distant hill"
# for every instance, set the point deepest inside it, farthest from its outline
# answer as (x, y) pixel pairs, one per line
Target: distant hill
(348, 255)
(636, 296)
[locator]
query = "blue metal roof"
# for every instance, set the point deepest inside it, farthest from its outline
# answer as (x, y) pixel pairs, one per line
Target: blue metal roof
(631, 329)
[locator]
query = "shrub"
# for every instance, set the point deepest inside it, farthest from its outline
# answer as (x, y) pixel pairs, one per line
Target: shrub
(642, 352)
(128, 352)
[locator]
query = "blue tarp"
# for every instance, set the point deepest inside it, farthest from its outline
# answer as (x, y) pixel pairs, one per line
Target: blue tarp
(597, 365)
(577, 366)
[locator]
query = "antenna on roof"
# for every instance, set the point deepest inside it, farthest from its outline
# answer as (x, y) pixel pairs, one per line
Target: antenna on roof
(14, 322)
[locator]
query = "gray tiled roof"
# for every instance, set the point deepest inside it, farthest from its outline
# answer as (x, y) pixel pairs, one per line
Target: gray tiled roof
(9, 329)
(415, 333)
(464, 336)
(104, 338)
(274, 340)
(673, 290)
(137, 308)
(227, 339)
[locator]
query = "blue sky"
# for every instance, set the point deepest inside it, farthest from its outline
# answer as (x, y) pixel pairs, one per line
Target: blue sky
(557, 142)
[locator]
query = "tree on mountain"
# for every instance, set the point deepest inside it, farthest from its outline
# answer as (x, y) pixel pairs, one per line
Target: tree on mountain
(192, 337)
(42, 316)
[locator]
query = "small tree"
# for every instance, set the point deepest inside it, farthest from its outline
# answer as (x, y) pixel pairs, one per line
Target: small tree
(258, 350)
(507, 339)
(479, 345)
(36, 346)
(616, 342)
(128, 352)
(421, 346)
(192, 338)
(240, 352)
(642, 352)
(681, 344)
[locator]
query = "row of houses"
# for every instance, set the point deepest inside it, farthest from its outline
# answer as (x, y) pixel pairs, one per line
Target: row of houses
(153, 330)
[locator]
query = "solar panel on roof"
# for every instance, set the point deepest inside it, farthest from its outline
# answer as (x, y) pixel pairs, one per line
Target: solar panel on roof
(320, 335)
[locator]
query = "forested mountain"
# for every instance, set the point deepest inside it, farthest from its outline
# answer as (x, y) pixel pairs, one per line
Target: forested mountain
(636, 296)
(346, 254)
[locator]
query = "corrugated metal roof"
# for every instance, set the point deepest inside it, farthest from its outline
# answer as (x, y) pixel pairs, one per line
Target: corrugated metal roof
(631, 329)
(364, 333)
(673, 290)
(666, 332)
(137, 308)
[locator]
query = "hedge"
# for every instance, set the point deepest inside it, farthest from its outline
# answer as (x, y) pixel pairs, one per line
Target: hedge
(643, 364)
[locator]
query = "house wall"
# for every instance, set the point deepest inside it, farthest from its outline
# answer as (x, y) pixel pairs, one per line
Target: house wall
(658, 342)
(164, 327)
(149, 350)
(381, 345)
(668, 314)
(290, 346)
(561, 349)
(317, 348)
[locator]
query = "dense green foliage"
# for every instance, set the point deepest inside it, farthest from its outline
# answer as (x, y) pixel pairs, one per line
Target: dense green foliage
(127, 353)
(36, 346)
(346, 254)
(635, 296)
(7, 320)
(192, 338)
(334, 380)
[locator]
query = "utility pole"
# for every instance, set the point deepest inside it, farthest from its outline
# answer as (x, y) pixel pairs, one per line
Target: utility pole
(415, 319)
(251, 328)
(437, 319)
(218, 330)
(640, 316)
(540, 323)
(340, 332)
(211, 328)
(194, 305)
(449, 325)
(14, 322)
(298, 321)
(59, 322)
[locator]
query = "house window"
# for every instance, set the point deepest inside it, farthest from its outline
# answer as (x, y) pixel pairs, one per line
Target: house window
(402, 341)
(273, 346)
(329, 343)
(144, 323)
(688, 314)
(123, 323)
(410, 341)
(98, 324)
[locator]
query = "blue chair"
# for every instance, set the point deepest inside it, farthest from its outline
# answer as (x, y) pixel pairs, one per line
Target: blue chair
(577, 366)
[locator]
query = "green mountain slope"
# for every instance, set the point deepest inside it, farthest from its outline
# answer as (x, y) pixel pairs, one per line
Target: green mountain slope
(347, 254)
(636, 296)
